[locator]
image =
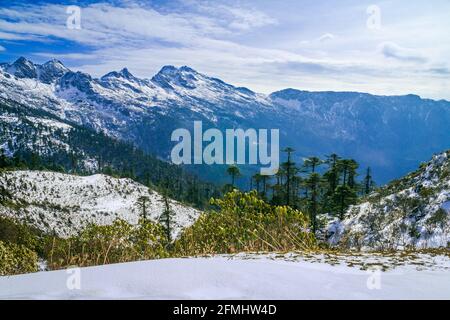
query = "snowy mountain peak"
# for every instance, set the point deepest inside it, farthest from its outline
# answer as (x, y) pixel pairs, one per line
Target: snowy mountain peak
(55, 64)
(46, 73)
(22, 61)
(190, 82)
(22, 68)
(170, 71)
(79, 80)
(167, 70)
(187, 69)
(124, 73)
(51, 71)
(245, 90)
(170, 77)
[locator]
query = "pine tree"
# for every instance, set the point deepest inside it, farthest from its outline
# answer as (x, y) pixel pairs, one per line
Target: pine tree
(331, 177)
(368, 182)
(313, 184)
(166, 218)
(353, 166)
(265, 185)
(289, 168)
(234, 172)
(312, 163)
(261, 184)
(343, 197)
(35, 161)
(257, 178)
(278, 190)
(4, 161)
(143, 202)
(297, 182)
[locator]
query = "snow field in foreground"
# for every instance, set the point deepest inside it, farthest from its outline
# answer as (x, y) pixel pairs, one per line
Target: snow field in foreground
(222, 277)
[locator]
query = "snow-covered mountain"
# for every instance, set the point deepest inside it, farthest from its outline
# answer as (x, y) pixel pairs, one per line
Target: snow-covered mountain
(25, 130)
(145, 111)
(118, 100)
(410, 212)
(63, 203)
(46, 73)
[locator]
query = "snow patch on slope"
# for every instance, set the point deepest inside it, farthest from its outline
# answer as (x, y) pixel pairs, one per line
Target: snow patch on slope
(412, 212)
(65, 203)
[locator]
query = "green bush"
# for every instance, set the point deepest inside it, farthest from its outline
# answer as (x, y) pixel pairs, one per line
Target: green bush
(439, 218)
(244, 222)
(426, 192)
(115, 243)
(12, 231)
(16, 259)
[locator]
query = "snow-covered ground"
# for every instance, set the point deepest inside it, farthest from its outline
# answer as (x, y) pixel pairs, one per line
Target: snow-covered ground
(240, 277)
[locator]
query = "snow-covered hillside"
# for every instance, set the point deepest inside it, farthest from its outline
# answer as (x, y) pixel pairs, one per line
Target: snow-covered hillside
(411, 212)
(65, 203)
(34, 133)
(263, 277)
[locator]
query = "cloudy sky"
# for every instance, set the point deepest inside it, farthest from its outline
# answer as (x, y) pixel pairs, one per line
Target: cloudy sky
(382, 47)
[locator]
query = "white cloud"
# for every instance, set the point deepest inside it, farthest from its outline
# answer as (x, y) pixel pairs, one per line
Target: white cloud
(237, 18)
(106, 25)
(248, 45)
(393, 50)
(245, 19)
(15, 36)
(67, 56)
(325, 37)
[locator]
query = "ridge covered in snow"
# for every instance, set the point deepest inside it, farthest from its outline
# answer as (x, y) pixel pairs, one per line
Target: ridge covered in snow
(63, 203)
(68, 91)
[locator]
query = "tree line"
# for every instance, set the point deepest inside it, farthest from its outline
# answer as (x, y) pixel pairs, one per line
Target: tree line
(315, 186)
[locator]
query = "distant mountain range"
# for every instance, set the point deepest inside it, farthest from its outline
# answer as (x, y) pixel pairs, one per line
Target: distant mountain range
(392, 134)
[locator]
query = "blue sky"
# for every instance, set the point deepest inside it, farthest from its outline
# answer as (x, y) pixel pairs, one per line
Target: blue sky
(381, 47)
